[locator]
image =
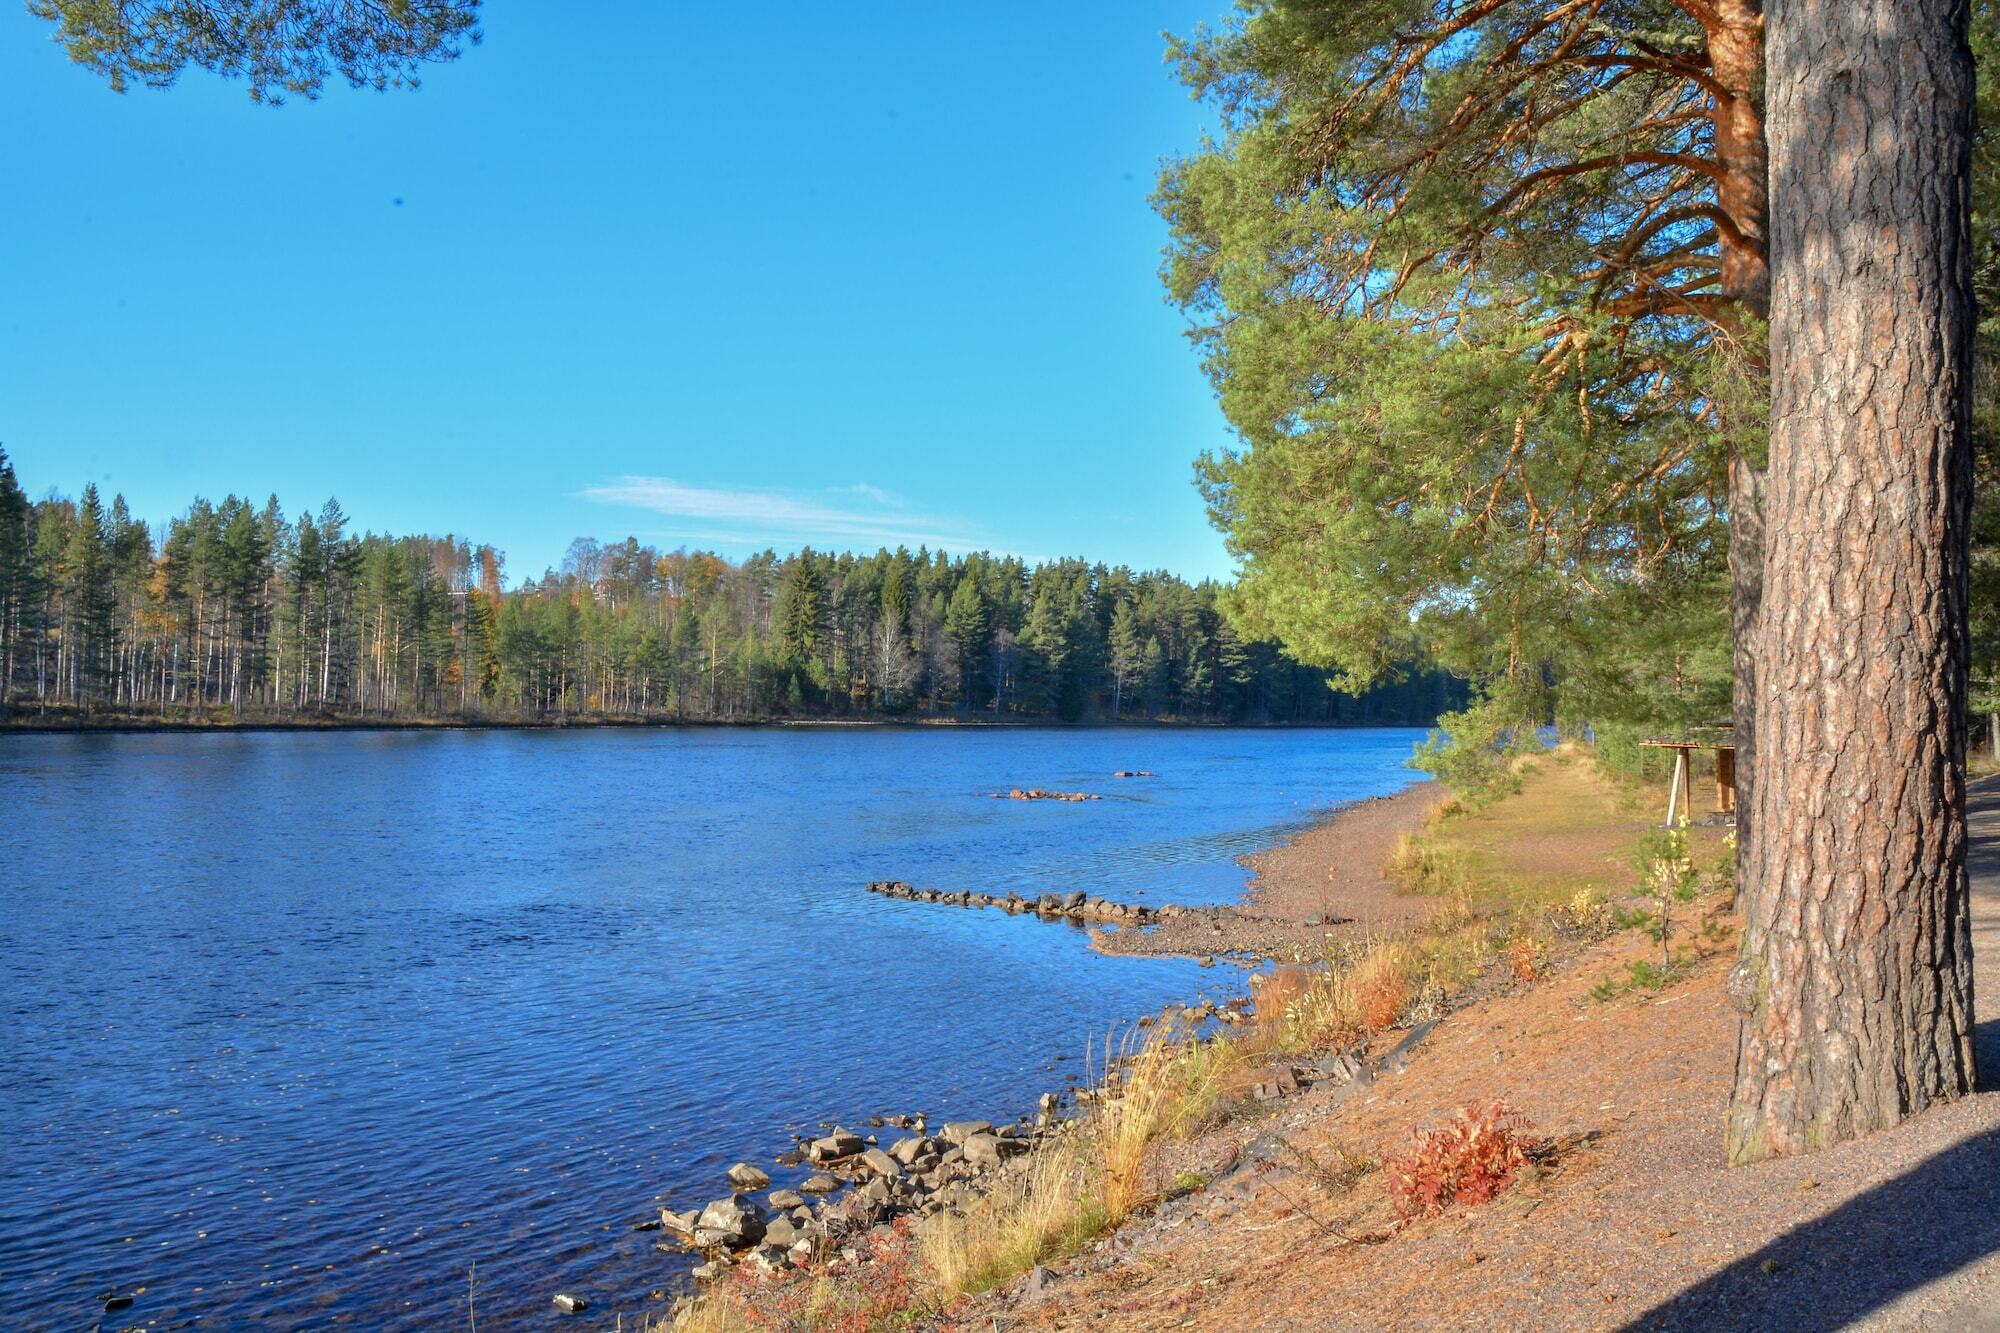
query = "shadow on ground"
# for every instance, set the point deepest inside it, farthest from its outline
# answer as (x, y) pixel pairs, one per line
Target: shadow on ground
(1921, 1226)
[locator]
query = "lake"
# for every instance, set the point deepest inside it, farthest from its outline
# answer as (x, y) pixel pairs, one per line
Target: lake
(301, 1027)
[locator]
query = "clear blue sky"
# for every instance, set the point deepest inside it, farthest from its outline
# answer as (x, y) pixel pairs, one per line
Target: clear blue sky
(719, 275)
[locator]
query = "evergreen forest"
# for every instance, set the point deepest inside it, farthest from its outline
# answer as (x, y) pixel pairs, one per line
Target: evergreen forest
(238, 612)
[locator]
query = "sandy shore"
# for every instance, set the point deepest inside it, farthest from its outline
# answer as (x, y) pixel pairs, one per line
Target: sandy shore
(1316, 888)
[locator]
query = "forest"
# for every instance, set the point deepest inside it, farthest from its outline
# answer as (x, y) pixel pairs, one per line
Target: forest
(237, 612)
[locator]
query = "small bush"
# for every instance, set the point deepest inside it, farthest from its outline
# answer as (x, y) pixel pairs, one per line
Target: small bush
(1635, 918)
(1469, 1160)
(1418, 867)
(1525, 960)
(1644, 975)
(1382, 995)
(1581, 918)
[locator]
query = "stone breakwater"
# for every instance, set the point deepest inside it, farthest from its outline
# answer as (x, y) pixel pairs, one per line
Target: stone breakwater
(1051, 906)
(1037, 794)
(1202, 933)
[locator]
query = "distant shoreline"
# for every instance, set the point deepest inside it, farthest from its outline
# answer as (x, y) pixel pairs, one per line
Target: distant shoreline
(26, 723)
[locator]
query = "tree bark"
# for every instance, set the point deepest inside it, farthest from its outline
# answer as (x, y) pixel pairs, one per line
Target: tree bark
(1735, 33)
(1855, 982)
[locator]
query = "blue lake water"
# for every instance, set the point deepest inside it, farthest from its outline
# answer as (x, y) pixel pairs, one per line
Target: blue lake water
(300, 1027)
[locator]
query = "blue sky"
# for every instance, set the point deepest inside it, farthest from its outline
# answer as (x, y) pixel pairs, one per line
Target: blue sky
(724, 276)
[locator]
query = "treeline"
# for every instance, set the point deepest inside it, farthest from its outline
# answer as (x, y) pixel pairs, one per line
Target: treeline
(237, 610)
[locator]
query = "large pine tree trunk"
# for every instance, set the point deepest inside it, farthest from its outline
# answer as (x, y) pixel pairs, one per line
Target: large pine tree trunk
(1856, 977)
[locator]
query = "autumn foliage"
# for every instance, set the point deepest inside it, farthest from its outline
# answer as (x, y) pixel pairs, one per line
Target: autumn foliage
(1469, 1159)
(1383, 994)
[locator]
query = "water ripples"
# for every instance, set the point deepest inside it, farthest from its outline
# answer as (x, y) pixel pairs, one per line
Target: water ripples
(301, 1027)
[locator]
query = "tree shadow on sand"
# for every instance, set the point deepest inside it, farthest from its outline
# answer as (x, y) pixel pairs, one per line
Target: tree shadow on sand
(1923, 1225)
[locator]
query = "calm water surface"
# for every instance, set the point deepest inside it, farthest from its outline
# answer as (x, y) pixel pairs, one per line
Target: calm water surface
(300, 1027)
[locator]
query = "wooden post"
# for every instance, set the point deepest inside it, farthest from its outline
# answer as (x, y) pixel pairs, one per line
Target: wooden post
(1675, 797)
(1725, 781)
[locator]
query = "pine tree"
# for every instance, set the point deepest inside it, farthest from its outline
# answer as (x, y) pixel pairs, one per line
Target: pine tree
(971, 631)
(279, 47)
(1128, 654)
(16, 573)
(89, 599)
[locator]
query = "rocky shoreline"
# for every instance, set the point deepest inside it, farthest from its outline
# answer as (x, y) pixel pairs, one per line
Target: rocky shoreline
(917, 1173)
(861, 1184)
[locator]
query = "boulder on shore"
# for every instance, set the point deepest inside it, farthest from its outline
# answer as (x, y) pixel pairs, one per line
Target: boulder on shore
(984, 1150)
(910, 1149)
(882, 1164)
(958, 1131)
(732, 1223)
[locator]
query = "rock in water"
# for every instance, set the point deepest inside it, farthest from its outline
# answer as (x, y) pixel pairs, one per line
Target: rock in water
(834, 1146)
(786, 1199)
(569, 1304)
(747, 1177)
(820, 1183)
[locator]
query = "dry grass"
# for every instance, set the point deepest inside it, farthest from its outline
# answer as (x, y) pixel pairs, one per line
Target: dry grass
(1497, 867)
(1044, 1211)
(1570, 828)
(1081, 1181)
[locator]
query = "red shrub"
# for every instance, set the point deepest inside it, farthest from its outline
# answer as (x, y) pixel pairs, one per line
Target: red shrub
(879, 1286)
(1469, 1159)
(1382, 998)
(1524, 960)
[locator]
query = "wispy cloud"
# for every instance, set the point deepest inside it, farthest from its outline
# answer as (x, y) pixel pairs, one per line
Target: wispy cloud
(849, 515)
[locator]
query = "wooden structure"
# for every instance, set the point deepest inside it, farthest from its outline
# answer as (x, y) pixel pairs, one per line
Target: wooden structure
(1680, 797)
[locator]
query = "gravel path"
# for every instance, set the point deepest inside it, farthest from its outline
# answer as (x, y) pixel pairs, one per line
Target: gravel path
(1639, 1226)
